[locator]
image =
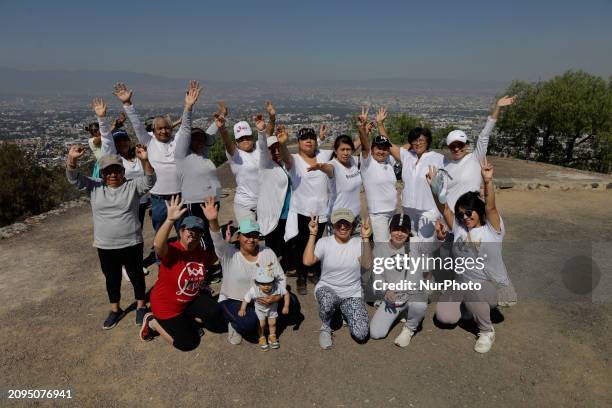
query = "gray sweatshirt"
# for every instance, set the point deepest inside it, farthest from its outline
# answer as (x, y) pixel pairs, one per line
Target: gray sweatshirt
(115, 210)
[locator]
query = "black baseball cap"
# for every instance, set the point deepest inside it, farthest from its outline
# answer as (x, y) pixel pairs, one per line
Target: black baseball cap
(381, 140)
(400, 221)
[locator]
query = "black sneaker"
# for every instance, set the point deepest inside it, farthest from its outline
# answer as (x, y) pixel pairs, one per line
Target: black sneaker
(301, 286)
(140, 314)
(112, 319)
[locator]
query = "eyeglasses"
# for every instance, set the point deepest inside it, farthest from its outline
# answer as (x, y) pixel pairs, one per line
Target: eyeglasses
(418, 142)
(456, 146)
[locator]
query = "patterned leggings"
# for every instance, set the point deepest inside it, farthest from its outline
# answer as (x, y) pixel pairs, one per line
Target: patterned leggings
(352, 308)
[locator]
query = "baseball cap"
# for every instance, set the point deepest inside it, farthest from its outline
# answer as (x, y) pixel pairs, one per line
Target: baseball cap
(456, 136)
(120, 134)
(271, 140)
(306, 132)
(110, 160)
(242, 129)
(342, 214)
(264, 274)
(400, 221)
(193, 223)
(381, 140)
(247, 225)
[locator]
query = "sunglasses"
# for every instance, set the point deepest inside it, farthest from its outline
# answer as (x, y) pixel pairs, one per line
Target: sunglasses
(343, 225)
(252, 235)
(307, 136)
(456, 146)
(467, 213)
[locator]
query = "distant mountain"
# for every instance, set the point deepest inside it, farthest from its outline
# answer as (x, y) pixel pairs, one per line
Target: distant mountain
(20, 83)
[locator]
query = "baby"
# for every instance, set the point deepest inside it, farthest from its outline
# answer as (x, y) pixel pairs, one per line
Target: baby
(266, 285)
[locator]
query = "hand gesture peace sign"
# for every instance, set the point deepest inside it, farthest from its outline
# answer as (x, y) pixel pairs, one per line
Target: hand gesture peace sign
(313, 225)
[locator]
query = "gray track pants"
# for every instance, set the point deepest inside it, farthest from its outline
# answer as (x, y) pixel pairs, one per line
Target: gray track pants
(384, 317)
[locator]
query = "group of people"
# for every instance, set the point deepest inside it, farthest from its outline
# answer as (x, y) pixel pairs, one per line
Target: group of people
(290, 200)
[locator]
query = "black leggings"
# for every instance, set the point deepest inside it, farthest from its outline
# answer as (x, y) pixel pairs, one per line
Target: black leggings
(111, 261)
(142, 211)
(183, 329)
(299, 245)
(275, 240)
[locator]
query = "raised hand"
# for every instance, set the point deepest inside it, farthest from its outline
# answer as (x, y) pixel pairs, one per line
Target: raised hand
(260, 123)
(75, 152)
(381, 115)
(210, 210)
(121, 91)
(281, 134)
(322, 131)
(219, 120)
(486, 169)
(366, 228)
(313, 225)
(174, 207)
(363, 117)
(141, 152)
(99, 107)
(192, 94)
(369, 127)
(270, 108)
(431, 174)
(228, 232)
(441, 230)
(506, 101)
(222, 109)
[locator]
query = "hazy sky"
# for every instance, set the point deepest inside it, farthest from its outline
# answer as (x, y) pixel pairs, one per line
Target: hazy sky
(289, 40)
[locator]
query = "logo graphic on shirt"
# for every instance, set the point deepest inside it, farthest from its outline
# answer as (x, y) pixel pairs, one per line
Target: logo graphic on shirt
(190, 278)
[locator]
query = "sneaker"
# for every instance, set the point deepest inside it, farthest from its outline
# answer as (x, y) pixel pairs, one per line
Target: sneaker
(124, 273)
(233, 336)
(263, 344)
(403, 340)
(301, 286)
(112, 319)
(484, 342)
(377, 303)
(140, 314)
(146, 332)
(273, 340)
(325, 339)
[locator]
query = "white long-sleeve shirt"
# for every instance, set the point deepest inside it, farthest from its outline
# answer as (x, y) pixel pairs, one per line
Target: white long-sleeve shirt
(465, 173)
(161, 155)
(417, 192)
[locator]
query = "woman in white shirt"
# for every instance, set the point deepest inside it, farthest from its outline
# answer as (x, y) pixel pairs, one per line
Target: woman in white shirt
(478, 232)
(339, 288)
(378, 178)
(309, 196)
(243, 155)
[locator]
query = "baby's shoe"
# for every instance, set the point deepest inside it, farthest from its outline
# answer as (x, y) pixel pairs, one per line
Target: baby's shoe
(263, 344)
(273, 341)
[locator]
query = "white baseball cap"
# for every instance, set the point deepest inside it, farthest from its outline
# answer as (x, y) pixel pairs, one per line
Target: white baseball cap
(271, 140)
(242, 129)
(456, 136)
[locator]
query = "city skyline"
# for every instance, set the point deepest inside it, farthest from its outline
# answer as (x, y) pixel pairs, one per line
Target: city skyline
(314, 41)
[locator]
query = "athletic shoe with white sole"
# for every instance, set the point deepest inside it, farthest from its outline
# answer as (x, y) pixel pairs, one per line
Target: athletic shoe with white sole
(112, 319)
(146, 332)
(263, 344)
(140, 314)
(325, 339)
(273, 341)
(484, 342)
(403, 340)
(233, 336)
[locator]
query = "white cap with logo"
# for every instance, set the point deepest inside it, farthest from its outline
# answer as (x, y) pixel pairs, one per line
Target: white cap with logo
(242, 129)
(456, 136)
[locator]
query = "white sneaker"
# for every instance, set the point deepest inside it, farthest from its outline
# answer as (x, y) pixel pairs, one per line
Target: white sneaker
(232, 335)
(325, 339)
(403, 340)
(124, 273)
(484, 342)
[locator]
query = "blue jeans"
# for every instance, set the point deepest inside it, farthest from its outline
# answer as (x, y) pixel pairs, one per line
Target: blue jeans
(159, 213)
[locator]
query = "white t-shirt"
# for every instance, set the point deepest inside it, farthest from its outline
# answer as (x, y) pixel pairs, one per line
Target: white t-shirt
(484, 242)
(310, 188)
(161, 157)
(417, 193)
(465, 173)
(345, 187)
(340, 267)
(379, 183)
(245, 166)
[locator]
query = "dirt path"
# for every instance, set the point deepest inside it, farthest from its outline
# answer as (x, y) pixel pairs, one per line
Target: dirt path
(551, 349)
